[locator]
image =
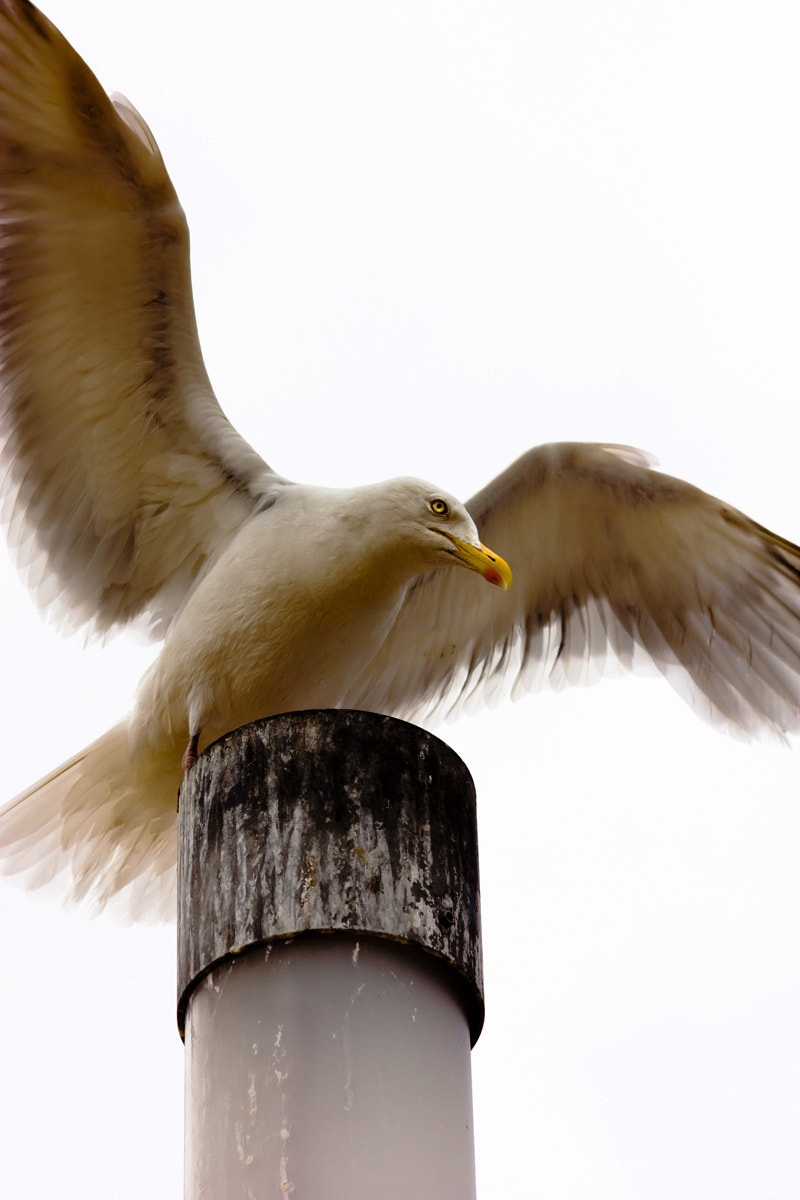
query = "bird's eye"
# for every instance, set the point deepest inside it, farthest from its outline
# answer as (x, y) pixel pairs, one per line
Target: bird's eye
(440, 507)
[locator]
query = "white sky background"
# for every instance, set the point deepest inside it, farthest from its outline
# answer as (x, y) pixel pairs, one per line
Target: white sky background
(426, 237)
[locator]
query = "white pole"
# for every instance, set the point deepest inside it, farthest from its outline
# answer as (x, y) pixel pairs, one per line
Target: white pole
(329, 963)
(356, 1057)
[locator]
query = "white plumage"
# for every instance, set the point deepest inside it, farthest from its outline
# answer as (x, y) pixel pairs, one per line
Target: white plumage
(129, 497)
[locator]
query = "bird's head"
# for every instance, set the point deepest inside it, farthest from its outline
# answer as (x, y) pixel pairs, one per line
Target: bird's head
(426, 527)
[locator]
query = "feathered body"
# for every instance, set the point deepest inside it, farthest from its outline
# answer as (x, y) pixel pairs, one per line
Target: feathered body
(318, 588)
(288, 617)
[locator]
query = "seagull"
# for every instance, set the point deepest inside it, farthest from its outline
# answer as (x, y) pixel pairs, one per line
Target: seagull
(129, 499)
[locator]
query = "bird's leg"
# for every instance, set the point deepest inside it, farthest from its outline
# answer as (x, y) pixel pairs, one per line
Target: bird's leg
(190, 753)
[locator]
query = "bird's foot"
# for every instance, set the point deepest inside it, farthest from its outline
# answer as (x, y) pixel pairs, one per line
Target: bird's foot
(190, 753)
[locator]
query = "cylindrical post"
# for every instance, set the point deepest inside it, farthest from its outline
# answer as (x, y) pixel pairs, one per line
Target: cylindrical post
(330, 981)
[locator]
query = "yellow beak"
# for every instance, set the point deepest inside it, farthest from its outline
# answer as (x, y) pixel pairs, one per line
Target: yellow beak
(491, 566)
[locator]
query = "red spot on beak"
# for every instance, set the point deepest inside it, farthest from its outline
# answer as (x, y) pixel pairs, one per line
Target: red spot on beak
(493, 576)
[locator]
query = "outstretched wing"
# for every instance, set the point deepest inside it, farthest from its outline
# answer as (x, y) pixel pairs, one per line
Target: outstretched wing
(122, 476)
(611, 560)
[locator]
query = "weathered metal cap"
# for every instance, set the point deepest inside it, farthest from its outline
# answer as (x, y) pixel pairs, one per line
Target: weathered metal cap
(329, 821)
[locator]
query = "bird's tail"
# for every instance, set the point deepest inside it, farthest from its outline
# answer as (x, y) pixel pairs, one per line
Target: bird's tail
(108, 823)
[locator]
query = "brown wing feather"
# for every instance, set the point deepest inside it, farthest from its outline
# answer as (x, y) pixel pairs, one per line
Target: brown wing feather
(614, 564)
(122, 476)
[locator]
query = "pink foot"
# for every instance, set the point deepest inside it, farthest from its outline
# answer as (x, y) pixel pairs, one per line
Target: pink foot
(190, 753)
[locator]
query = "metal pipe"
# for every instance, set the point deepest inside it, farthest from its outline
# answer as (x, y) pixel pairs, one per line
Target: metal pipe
(330, 978)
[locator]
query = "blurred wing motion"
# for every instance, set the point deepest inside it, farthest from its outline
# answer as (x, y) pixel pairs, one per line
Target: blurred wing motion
(123, 475)
(611, 560)
(129, 496)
